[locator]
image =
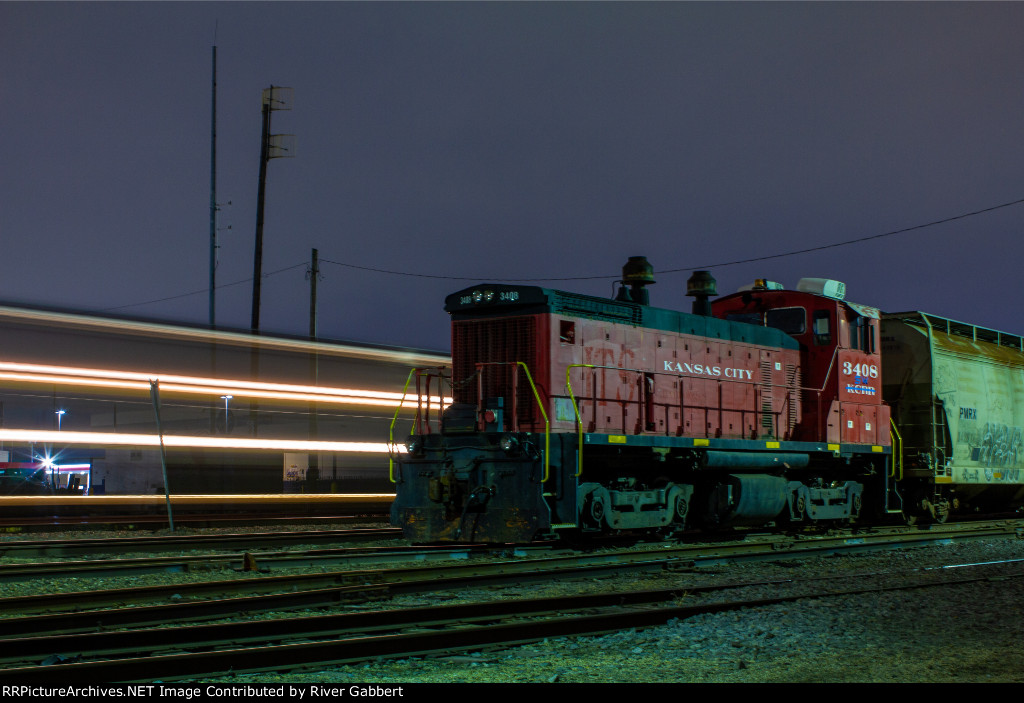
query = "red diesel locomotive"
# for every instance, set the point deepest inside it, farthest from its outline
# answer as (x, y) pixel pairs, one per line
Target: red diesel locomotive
(573, 412)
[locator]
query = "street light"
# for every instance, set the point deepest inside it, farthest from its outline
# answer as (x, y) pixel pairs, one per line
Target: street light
(60, 416)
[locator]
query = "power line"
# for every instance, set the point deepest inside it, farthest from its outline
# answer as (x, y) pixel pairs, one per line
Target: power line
(590, 278)
(204, 290)
(692, 268)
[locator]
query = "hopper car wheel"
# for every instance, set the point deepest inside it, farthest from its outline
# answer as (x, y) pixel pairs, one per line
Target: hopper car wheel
(935, 510)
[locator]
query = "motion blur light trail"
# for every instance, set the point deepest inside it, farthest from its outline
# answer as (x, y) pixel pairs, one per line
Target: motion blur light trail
(102, 378)
(188, 441)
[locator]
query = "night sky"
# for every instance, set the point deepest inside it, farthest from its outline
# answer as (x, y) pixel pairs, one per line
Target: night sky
(464, 142)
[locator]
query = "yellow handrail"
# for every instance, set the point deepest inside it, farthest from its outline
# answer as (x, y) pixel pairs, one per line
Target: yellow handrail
(897, 459)
(391, 433)
(547, 423)
(579, 420)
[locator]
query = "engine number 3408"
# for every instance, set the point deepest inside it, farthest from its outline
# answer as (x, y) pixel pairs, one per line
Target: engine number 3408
(862, 370)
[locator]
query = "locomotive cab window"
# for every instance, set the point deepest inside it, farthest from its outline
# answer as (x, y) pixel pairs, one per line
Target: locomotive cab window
(862, 334)
(567, 332)
(792, 321)
(822, 327)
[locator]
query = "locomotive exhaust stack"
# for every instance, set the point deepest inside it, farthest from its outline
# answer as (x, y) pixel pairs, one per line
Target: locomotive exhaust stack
(701, 286)
(637, 274)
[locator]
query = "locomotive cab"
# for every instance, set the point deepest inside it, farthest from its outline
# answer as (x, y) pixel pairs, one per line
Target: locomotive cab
(839, 352)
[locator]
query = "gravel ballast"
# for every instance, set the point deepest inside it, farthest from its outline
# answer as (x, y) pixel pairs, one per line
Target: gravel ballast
(942, 633)
(956, 633)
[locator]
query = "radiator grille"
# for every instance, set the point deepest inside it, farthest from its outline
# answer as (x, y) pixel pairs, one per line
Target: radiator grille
(507, 339)
(793, 385)
(767, 416)
(595, 308)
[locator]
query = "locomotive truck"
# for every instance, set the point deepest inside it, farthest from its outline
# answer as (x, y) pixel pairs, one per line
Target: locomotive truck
(575, 413)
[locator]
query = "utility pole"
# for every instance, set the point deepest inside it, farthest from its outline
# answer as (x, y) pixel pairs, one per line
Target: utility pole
(213, 188)
(313, 470)
(314, 275)
(271, 147)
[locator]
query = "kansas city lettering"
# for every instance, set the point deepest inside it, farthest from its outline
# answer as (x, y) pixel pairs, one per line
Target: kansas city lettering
(705, 370)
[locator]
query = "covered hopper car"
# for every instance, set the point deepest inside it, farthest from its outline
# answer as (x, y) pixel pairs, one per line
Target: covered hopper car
(578, 413)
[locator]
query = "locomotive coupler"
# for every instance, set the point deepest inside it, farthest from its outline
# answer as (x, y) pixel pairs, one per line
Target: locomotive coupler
(475, 501)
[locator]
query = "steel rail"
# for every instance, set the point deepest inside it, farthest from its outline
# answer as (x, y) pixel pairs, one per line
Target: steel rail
(306, 590)
(137, 641)
(248, 561)
(128, 545)
(456, 627)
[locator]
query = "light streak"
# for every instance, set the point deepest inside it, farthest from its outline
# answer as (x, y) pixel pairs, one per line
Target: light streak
(238, 339)
(191, 441)
(196, 385)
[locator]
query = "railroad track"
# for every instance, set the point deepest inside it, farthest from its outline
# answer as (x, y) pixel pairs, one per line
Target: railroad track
(107, 546)
(182, 602)
(283, 644)
(348, 557)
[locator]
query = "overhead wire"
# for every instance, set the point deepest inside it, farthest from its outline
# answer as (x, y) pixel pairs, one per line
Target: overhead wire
(723, 264)
(204, 290)
(698, 267)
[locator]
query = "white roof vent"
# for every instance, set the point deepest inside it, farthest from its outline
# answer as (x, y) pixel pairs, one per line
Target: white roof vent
(823, 286)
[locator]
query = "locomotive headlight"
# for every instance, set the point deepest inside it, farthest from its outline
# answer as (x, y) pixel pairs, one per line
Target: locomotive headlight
(414, 445)
(508, 443)
(478, 297)
(488, 296)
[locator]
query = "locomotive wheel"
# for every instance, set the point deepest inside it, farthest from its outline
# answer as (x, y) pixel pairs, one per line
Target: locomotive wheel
(596, 511)
(681, 509)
